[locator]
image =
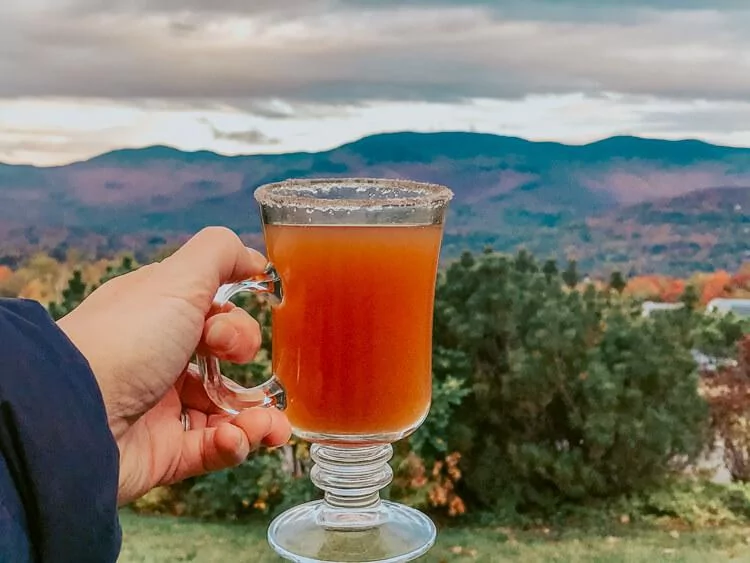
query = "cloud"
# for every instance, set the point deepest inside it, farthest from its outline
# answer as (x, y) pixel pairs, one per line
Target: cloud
(54, 147)
(724, 119)
(55, 131)
(572, 10)
(248, 136)
(83, 7)
(325, 52)
(279, 109)
(82, 76)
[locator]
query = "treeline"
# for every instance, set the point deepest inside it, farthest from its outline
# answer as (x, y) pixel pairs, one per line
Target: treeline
(549, 391)
(43, 277)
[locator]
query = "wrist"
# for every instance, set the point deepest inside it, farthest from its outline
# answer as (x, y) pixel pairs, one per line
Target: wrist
(116, 413)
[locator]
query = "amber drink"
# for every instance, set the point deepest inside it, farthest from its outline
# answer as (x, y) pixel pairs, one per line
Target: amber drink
(352, 339)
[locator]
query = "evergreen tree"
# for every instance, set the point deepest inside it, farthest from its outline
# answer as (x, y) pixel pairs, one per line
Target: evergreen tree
(691, 297)
(570, 274)
(524, 262)
(617, 281)
(77, 289)
(573, 396)
(126, 265)
(71, 297)
(550, 269)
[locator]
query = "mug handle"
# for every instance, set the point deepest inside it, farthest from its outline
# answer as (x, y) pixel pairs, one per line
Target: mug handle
(229, 396)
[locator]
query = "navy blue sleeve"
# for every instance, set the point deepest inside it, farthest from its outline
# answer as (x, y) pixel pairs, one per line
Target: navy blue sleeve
(58, 460)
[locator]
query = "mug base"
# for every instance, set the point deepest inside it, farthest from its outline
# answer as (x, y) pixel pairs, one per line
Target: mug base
(393, 533)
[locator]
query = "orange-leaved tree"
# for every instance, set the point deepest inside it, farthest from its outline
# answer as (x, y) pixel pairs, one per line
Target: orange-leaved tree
(655, 287)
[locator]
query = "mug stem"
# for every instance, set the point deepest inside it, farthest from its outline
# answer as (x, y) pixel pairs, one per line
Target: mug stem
(351, 523)
(352, 478)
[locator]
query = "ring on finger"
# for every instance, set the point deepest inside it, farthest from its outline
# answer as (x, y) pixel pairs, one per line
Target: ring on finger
(185, 419)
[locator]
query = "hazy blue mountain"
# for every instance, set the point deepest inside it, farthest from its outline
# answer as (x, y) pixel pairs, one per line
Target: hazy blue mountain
(553, 198)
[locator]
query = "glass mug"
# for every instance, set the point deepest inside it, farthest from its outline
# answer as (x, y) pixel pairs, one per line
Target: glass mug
(352, 285)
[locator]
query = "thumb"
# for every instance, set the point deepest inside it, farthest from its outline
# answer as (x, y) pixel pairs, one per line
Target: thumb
(213, 257)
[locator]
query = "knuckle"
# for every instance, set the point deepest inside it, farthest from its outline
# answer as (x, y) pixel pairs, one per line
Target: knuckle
(218, 233)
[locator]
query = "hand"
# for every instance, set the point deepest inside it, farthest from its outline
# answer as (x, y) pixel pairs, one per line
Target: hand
(139, 331)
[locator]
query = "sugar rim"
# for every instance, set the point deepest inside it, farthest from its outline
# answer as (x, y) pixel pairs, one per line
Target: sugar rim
(304, 193)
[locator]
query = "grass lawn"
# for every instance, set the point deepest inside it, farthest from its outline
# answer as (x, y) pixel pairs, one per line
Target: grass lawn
(164, 539)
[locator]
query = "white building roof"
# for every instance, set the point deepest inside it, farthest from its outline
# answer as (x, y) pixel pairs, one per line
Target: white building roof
(740, 307)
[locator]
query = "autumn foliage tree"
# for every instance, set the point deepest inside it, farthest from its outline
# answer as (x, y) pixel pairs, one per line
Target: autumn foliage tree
(718, 284)
(740, 282)
(655, 288)
(728, 394)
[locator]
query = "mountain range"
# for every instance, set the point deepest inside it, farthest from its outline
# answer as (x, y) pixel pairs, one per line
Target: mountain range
(627, 203)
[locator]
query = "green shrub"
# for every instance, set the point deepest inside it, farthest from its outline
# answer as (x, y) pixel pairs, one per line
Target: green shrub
(260, 485)
(574, 395)
(678, 502)
(693, 503)
(448, 391)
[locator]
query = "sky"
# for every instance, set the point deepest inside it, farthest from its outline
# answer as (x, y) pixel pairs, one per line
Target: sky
(81, 77)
